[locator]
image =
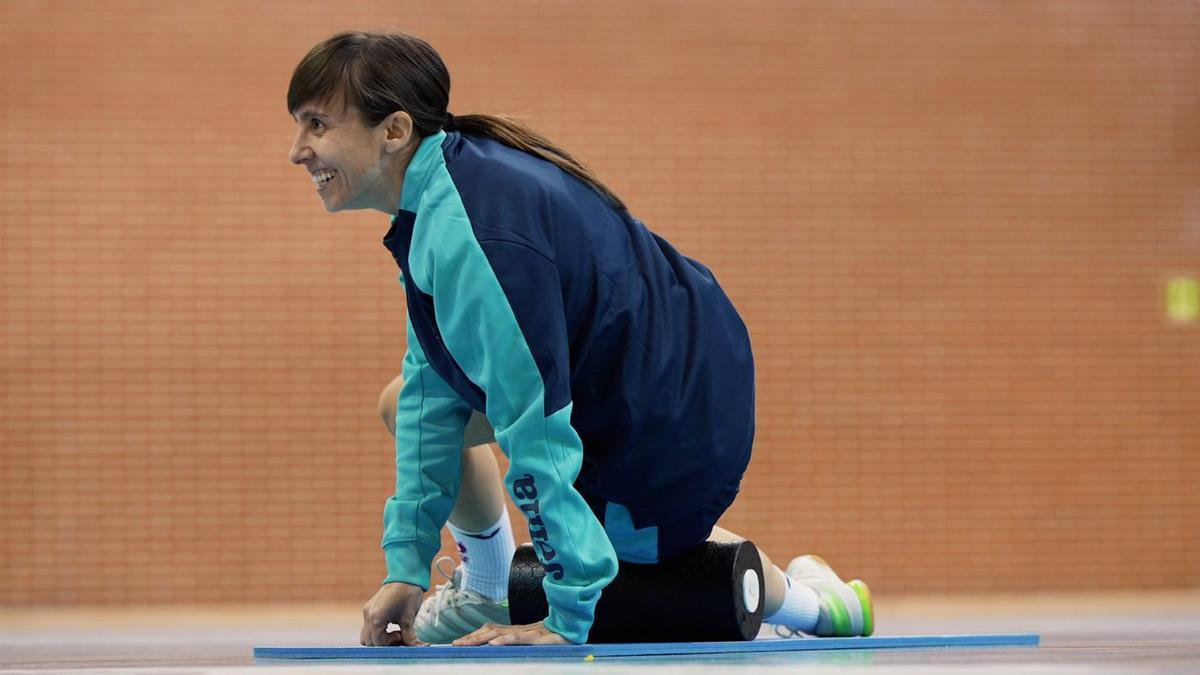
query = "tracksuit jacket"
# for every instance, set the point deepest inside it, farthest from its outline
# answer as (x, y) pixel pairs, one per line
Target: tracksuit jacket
(608, 364)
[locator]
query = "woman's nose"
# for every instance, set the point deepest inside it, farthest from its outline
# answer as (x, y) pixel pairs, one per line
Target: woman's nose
(299, 151)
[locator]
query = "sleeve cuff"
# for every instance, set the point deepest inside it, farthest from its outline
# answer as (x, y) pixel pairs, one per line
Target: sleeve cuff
(573, 630)
(405, 564)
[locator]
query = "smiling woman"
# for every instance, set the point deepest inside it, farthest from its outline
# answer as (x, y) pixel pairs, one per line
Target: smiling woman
(612, 370)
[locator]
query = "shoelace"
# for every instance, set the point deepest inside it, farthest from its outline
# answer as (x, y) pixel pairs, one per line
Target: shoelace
(785, 632)
(444, 593)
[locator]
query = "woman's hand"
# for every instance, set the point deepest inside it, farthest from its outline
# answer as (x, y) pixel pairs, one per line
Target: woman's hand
(393, 603)
(529, 634)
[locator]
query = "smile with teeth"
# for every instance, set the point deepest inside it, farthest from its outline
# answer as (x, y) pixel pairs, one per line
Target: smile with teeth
(320, 178)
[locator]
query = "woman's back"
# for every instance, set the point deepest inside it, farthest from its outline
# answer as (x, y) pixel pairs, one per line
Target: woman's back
(640, 339)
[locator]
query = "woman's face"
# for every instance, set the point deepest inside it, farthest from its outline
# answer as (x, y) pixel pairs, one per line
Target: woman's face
(351, 165)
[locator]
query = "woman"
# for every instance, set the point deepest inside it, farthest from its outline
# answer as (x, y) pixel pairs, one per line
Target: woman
(612, 370)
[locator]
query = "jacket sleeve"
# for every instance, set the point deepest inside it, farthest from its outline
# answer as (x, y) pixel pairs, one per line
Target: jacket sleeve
(430, 419)
(500, 310)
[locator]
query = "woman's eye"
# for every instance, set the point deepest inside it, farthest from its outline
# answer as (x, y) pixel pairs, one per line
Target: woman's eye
(316, 124)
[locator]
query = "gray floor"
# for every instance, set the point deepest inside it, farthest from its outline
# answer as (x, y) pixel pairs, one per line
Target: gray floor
(1157, 632)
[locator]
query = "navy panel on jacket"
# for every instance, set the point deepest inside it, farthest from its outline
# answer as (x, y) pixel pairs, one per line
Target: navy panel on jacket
(660, 366)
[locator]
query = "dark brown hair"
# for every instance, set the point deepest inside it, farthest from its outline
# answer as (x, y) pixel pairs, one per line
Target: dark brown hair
(380, 73)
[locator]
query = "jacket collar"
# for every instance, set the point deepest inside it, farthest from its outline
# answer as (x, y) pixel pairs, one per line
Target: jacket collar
(421, 167)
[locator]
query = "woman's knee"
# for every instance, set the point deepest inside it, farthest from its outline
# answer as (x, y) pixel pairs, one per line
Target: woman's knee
(388, 401)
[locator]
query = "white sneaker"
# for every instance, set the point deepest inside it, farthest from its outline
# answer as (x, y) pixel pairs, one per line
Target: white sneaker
(452, 611)
(846, 609)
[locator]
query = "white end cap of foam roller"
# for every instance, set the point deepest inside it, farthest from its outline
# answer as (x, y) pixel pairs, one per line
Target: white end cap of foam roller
(750, 591)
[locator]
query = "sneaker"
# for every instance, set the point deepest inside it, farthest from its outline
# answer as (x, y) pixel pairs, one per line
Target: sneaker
(453, 611)
(845, 608)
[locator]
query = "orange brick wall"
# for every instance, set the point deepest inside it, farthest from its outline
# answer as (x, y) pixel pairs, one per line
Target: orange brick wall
(948, 226)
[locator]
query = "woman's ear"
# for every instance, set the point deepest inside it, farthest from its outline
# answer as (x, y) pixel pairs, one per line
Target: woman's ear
(398, 131)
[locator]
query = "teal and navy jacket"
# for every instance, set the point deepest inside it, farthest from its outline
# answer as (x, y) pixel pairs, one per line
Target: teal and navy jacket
(607, 363)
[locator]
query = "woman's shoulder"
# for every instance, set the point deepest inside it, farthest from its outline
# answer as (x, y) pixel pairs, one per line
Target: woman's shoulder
(486, 164)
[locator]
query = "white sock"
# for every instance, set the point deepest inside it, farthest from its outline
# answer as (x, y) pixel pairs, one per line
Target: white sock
(486, 557)
(800, 608)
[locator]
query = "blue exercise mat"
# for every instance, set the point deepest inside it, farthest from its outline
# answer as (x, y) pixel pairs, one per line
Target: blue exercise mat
(442, 652)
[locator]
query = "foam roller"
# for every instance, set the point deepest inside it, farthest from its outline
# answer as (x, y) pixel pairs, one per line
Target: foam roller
(711, 592)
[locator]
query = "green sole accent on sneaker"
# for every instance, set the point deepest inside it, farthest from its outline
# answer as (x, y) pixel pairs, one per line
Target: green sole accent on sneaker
(839, 616)
(864, 600)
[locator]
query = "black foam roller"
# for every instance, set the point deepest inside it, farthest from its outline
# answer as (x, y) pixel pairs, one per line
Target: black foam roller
(703, 594)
